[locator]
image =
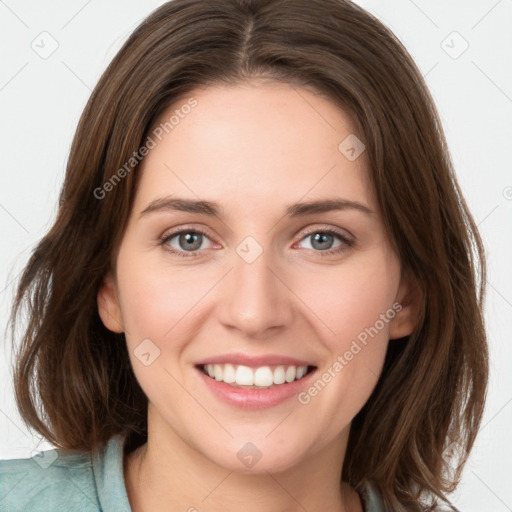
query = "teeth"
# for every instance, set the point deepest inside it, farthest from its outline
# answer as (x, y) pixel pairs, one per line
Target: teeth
(290, 374)
(263, 377)
(279, 375)
(229, 375)
(301, 371)
(217, 372)
(244, 376)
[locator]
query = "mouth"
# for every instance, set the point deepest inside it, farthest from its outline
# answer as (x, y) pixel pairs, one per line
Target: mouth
(262, 377)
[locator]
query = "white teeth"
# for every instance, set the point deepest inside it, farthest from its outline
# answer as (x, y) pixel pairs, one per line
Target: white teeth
(301, 371)
(290, 374)
(217, 372)
(263, 377)
(279, 375)
(244, 376)
(229, 374)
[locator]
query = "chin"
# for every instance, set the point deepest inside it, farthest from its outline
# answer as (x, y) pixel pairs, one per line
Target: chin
(257, 455)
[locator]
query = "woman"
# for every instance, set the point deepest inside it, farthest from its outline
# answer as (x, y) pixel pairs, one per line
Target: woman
(260, 291)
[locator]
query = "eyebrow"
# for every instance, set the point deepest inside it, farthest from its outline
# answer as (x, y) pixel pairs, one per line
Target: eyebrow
(212, 209)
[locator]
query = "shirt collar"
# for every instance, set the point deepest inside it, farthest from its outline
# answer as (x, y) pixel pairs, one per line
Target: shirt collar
(109, 476)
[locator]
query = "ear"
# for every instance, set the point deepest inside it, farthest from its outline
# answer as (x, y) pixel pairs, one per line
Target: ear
(407, 305)
(108, 305)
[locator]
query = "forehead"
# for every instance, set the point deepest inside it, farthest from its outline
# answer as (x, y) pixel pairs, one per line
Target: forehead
(270, 142)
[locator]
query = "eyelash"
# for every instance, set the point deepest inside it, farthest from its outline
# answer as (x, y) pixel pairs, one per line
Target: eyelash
(347, 242)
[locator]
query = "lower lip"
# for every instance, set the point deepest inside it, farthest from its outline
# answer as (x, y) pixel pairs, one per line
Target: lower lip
(246, 398)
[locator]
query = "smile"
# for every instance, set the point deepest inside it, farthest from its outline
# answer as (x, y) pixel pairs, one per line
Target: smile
(263, 377)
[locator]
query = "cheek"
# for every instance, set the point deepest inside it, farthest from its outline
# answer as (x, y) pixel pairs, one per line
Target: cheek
(156, 299)
(355, 304)
(157, 304)
(352, 297)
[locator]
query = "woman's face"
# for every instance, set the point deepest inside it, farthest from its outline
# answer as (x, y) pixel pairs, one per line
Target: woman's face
(255, 281)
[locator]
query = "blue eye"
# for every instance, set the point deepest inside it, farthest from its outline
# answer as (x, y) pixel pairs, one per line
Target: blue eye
(189, 242)
(322, 241)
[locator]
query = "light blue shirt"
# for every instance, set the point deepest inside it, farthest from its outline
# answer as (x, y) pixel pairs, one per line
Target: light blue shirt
(69, 481)
(66, 481)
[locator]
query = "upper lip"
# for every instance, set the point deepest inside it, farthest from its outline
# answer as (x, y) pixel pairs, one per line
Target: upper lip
(255, 361)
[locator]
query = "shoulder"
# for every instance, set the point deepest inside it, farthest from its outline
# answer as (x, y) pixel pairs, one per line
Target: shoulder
(65, 480)
(53, 480)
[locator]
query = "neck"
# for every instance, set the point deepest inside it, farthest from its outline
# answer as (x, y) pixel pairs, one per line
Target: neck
(167, 474)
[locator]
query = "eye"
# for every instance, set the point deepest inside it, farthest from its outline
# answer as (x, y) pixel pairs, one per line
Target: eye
(189, 242)
(324, 242)
(186, 242)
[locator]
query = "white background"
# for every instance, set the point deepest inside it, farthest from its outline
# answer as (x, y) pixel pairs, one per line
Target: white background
(41, 101)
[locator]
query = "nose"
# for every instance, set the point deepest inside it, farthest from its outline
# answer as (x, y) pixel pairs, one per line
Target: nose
(255, 297)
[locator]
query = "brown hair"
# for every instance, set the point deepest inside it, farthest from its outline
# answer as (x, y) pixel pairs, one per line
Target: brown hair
(73, 380)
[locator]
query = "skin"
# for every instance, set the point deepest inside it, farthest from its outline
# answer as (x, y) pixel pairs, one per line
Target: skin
(252, 148)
